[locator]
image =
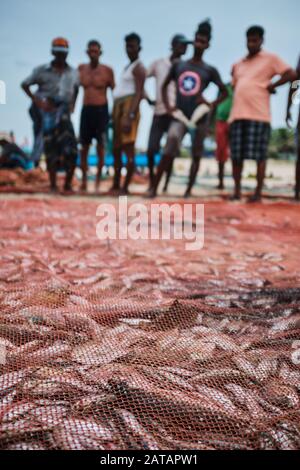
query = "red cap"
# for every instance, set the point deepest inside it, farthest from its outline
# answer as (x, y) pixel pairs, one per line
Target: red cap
(60, 45)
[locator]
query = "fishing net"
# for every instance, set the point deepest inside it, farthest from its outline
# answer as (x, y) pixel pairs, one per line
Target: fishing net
(144, 345)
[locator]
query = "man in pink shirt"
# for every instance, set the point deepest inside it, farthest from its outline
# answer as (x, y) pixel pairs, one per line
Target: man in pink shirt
(250, 116)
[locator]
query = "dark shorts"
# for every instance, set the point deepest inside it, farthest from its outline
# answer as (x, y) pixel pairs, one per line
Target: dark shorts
(93, 124)
(160, 125)
(249, 140)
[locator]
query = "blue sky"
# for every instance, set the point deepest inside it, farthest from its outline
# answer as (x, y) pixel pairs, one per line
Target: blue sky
(28, 26)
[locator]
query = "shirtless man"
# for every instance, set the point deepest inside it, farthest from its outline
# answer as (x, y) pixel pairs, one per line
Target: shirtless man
(95, 78)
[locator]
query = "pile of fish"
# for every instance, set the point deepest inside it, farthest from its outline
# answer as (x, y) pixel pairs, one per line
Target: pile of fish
(144, 345)
(19, 180)
(19, 177)
(186, 375)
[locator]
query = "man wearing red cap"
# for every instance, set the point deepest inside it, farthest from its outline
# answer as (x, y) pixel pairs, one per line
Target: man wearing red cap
(52, 104)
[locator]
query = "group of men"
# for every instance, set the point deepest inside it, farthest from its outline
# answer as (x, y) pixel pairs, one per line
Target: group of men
(241, 109)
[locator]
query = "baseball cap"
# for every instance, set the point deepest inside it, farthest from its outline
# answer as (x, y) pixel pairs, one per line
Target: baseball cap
(60, 45)
(181, 38)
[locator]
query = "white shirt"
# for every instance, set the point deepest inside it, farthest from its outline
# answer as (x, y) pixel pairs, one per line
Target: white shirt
(160, 70)
(126, 84)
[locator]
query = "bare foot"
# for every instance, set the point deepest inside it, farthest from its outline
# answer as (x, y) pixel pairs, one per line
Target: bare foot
(124, 192)
(254, 198)
(68, 190)
(114, 188)
(235, 197)
(150, 194)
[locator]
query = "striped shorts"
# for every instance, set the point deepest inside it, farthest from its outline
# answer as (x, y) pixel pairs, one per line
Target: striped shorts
(249, 140)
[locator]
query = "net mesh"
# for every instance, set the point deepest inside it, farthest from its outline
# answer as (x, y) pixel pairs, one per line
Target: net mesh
(143, 345)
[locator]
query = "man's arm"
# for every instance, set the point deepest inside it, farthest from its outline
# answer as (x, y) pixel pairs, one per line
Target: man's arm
(293, 89)
(26, 84)
(148, 99)
(288, 76)
(223, 93)
(75, 95)
(111, 80)
(27, 90)
(164, 91)
(139, 74)
(44, 105)
(151, 73)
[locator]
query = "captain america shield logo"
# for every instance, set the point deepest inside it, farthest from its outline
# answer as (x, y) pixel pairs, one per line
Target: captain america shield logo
(189, 83)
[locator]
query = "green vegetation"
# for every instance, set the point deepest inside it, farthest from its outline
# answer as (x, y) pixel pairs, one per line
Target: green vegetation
(282, 144)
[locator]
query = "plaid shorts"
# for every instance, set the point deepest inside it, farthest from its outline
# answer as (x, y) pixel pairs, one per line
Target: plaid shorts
(249, 140)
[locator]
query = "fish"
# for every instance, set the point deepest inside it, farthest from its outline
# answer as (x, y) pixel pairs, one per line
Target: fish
(20, 334)
(257, 373)
(11, 379)
(220, 398)
(177, 315)
(166, 379)
(51, 415)
(40, 356)
(247, 399)
(17, 352)
(94, 353)
(56, 387)
(27, 446)
(281, 395)
(7, 400)
(290, 376)
(82, 434)
(91, 280)
(94, 403)
(188, 405)
(220, 376)
(17, 429)
(131, 427)
(15, 411)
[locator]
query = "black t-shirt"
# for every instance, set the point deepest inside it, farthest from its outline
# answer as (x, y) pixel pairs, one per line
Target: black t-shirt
(191, 80)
